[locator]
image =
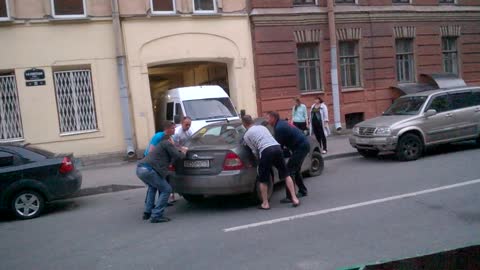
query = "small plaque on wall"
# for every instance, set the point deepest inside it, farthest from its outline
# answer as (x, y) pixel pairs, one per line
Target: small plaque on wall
(35, 83)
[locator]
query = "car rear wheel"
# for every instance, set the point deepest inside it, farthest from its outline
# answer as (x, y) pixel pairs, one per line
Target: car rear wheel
(27, 204)
(193, 198)
(316, 165)
(257, 196)
(366, 153)
(410, 147)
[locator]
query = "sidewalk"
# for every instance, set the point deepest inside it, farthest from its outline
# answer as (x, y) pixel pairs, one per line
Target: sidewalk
(121, 174)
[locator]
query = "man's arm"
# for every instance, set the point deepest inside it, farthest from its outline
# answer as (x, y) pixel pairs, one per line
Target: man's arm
(173, 151)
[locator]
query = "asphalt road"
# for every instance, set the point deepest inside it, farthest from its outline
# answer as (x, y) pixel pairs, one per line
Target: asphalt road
(358, 211)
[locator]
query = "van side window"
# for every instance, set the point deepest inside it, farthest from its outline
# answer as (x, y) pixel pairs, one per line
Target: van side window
(476, 97)
(178, 110)
(461, 100)
(440, 104)
(169, 111)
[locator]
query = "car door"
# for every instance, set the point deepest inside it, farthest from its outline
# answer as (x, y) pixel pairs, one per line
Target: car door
(9, 169)
(440, 127)
(463, 110)
(475, 102)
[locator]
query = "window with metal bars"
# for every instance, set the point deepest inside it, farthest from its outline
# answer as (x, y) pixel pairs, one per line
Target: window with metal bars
(401, 1)
(345, 1)
(204, 6)
(3, 10)
(450, 55)
(75, 101)
(405, 60)
(349, 64)
(162, 6)
(309, 67)
(10, 120)
(303, 2)
(447, 1)
(68, 8)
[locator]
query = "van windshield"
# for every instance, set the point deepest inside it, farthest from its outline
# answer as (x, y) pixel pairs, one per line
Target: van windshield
(406, 106)
(204, 109)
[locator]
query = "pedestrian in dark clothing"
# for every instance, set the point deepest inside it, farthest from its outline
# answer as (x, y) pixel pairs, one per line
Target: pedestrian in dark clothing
(319, 122)
(292, 138)
(153, 171)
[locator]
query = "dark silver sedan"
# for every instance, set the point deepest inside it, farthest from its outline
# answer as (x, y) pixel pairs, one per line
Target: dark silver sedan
(217, 163)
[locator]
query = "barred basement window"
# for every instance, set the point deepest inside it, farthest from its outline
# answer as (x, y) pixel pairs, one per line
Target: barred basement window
(204, 6)
(308, 67)
(405, 60)
(349, 64)
(450, 55)
(68, 8)
(401, 1)
(447, 1)
(10, 120)
(75, 101)
(345, 1)
(303, 2)
(4, 14)
(162, 6)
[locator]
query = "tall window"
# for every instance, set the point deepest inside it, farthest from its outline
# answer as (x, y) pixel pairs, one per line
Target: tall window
(405, 60)
(308, 67)
(75, 101)
(450, 55)
(10, 121)
(4, 15)
(204, 6)
(349, 64)
(401, 1)
(303, 2)
(68, 8)
(162, 6)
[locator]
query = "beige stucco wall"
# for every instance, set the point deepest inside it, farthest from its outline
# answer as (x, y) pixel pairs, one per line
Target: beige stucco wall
(159, 41)
(54, 46)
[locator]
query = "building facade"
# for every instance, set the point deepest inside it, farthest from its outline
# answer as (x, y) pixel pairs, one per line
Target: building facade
(58, 74)
(381, 44)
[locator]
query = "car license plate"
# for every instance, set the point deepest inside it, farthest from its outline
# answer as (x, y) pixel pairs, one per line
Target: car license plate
(196, 163)
(362, 140)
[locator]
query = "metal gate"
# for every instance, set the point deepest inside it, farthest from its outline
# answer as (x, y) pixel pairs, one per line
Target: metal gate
(10, 120)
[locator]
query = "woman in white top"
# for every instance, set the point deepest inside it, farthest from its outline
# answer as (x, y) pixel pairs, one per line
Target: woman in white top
(319, 122)
(299, 115)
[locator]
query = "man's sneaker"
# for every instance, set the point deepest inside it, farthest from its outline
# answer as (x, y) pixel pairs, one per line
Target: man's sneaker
(324, 152)
(146, 216)
(159, 219)
(285, 200)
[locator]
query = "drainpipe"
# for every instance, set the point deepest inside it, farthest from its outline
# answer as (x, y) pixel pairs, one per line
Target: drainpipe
(122, 81)
(334, 66)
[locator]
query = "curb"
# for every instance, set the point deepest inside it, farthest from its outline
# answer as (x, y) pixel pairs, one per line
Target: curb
(342, 155)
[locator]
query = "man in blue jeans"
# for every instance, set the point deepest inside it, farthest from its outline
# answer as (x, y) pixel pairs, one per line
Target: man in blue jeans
(153, 171)
(151, 191)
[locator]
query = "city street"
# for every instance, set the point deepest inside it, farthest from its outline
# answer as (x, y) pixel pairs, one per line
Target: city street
(358, 211)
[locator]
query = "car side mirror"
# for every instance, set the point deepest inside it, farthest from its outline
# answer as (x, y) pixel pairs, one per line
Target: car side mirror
(177, 119)
(430, 112)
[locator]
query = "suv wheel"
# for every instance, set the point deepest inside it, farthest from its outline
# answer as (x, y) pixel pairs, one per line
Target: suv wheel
(366, 153)
(27, 204)
(410, 147)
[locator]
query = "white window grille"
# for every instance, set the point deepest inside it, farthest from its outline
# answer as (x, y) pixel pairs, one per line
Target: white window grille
(450, 55)
(405, 60)
(349, 64)
(308, 67)
(4, 12)
(10, 120)
(75, 101)
(205, 6)
(163, 6)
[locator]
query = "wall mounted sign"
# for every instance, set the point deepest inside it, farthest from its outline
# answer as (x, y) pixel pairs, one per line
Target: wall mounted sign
(34, 77)
(35, 83)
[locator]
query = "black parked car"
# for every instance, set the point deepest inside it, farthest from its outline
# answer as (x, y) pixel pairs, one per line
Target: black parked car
(30, 177)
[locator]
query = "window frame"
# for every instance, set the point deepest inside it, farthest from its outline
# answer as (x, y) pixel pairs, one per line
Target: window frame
(430, 102)
(356, 57)
(466, 102)
(7, 8)
(160, 12)
(454, 2)
(395, 2)
(318, 63)
(75, 16)
(413, 65)
(20, 119)
(451, 52)
(214, 11)
(342, 2)
(314, 3)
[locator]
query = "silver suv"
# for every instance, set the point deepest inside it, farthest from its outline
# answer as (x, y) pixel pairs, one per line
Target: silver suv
(416, 121)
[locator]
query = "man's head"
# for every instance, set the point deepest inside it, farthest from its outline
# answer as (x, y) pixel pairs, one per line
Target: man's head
(247, 121)
(186, 123)
(168, 128)
(272, 118)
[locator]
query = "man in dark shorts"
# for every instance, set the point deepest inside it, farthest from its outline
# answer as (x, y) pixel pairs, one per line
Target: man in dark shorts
(264, 146)
(295, 140)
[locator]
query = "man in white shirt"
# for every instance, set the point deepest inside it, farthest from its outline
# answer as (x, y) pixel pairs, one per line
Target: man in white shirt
(183, 132)
(268, 151)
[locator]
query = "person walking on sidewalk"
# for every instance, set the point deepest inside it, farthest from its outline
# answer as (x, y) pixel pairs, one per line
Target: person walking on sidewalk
(319, 122)
(292, 138)
(300, 115)
(268, 150)
(153, 171)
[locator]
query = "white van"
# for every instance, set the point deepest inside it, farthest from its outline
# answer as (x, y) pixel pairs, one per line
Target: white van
(204, 104)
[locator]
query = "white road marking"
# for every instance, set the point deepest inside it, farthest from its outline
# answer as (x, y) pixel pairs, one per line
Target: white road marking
(346, 207)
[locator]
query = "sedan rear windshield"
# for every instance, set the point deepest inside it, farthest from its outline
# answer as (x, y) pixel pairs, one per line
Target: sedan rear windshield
(406, 106)
(218, 134)
(214, 108)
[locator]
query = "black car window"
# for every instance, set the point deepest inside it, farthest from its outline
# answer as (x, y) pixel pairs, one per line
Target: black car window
(25, 153)
(461, 100)
(8, 159)
(440, 104)
(476, 97)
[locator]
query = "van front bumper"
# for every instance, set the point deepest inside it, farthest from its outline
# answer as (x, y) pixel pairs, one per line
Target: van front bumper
(382, 144)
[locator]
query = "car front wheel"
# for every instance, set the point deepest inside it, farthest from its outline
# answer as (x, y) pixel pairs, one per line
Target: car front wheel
(410, 147)
(27, 204)
(316, 165)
